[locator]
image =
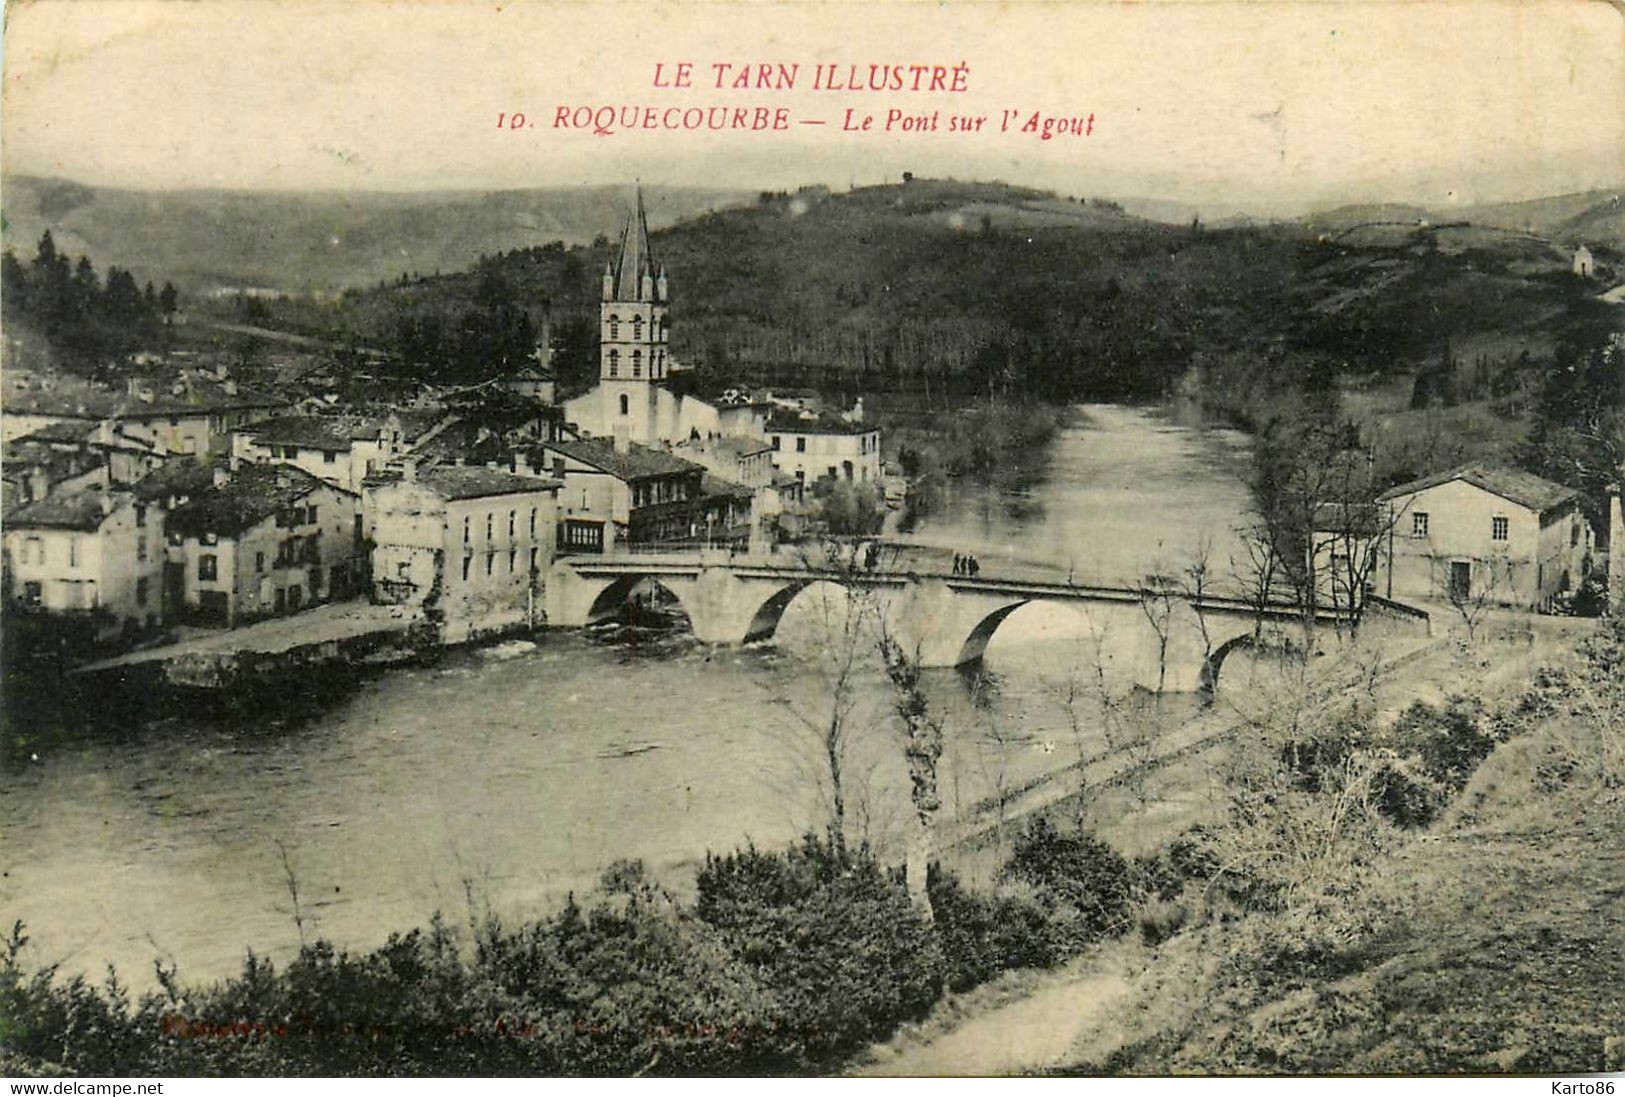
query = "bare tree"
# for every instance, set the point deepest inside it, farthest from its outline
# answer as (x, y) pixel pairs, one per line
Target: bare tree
(922, 749)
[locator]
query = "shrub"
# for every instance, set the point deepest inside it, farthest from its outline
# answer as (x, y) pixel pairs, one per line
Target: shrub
(982, 936)
(1449, 742)
(832, 936)
(1081, 881)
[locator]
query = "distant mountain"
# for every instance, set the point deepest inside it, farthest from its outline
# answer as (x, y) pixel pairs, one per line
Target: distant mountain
(1592, 217)
(205, 240)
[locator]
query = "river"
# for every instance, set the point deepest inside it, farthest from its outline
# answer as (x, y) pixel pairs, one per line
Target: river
(506, 777)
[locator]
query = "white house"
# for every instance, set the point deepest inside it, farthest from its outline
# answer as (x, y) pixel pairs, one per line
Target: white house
(1584, 264)
(470, 543)
(340, 449)
(93, 553)
(812, 447)
(1495, 535)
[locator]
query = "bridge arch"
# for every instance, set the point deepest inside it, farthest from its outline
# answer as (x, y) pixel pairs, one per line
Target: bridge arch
(609, 601)
(765, 621)
(1251, 640)
(974, 646)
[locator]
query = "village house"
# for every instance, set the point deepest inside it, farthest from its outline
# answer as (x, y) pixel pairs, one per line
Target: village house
(341, 449)
(470, 544)
(68, 456)
(93, 554)
(619, 494)
(814, 447)
(533, 382)
(1484, 534)
(1584, 265)
(193, 414)
(778, 498)
(262, 540)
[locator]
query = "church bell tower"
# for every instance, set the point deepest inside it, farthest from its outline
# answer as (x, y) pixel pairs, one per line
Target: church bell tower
(632, 333)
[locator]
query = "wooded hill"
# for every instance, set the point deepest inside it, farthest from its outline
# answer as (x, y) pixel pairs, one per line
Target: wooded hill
(982, 288)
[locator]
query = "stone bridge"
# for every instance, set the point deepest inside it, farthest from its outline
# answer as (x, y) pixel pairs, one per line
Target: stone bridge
(1152, 635)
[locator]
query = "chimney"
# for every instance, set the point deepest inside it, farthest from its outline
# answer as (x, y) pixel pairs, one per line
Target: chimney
(623, 438)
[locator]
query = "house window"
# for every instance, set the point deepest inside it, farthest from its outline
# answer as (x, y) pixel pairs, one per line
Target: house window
(1419, 524)
(206, 567)
(467, 562)
(1498, 529)
(614, 330)
(1574, 535)
(141, 547)
(328, 457)
(512, 515)
(490, 517)
(637, 363)
(490, 563)
(141, 591)
(73, 552)
(775, 441)
(533, 558)
(465, 533)
(403, 569)
(513, 555)
(801, 445)
(310, 515)
(259, 562)
(31, 593)
(533, 522)
(34, 551)
(614, 363)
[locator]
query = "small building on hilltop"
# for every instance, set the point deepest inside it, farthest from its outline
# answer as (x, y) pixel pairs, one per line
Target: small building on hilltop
(93, 554)
(1584, 264)
(1483, 534)
(261, 541)
(469, 545)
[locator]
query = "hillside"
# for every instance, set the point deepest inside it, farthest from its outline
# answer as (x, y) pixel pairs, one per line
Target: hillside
(944, 286)
(204, 240)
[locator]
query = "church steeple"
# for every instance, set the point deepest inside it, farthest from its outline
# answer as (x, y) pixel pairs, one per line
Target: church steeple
(633, 274)
(632, 336)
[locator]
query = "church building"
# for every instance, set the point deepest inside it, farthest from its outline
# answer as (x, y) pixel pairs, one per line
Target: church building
(631, 402)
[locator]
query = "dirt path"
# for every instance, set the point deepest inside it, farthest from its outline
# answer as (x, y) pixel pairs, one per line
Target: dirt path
(1018, 1035)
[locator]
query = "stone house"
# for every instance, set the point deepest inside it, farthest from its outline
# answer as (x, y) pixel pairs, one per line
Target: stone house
(94, 553)
(262, 541)
(1488, 534)
(469, 544)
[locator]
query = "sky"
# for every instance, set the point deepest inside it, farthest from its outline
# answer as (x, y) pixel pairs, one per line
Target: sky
(1257, 106)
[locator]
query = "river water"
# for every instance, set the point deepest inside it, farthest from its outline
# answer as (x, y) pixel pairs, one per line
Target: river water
(506, 777)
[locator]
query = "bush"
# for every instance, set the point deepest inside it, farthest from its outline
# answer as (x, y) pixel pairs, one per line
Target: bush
(832, 936)
(1449, 742)
(1080, 881)
(982, 936)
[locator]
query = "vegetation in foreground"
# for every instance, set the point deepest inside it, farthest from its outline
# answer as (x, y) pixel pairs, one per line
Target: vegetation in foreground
(1435, 895)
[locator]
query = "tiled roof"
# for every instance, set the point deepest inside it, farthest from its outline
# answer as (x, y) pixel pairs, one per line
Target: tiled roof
(1523, 488)
(324, 432)
(818, 424)
(255, 493)
(638, 462)
(178, 476)
(74, 432)
(716, 485)
(82, 510)
(472, 482)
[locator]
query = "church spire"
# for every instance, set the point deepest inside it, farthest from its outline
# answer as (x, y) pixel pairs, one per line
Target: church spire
(635, 268)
